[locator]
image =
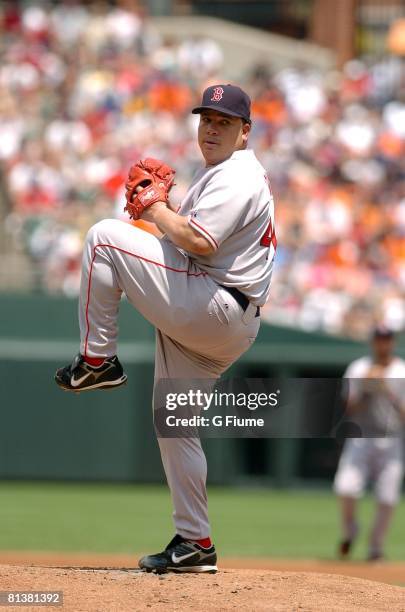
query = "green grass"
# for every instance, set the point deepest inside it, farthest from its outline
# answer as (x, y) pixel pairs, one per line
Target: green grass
(130, 518)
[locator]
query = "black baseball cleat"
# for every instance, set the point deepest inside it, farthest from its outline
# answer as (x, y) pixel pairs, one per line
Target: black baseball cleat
(80, 376)
(181, 555)
(344, 548)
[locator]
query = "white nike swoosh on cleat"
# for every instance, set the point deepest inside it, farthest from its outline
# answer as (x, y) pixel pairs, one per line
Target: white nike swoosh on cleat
(75, 382)
(177, 559)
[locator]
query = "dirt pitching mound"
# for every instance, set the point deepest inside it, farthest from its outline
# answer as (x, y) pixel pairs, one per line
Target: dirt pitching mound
(113, 589)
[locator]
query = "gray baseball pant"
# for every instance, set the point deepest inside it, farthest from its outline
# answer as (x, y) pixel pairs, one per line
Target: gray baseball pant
(200, 331)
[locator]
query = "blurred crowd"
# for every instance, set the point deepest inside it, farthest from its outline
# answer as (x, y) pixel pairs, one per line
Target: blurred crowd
(86, 90)
(334, 149)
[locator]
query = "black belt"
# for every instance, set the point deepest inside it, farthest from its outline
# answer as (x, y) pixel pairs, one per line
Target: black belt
(240, 298)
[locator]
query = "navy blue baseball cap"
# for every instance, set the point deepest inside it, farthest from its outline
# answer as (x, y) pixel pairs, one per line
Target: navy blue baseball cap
(382, 331)
(227, 99)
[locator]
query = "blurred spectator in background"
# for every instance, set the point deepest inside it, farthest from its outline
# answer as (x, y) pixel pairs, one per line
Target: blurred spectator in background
(376, 406)
(86, 89)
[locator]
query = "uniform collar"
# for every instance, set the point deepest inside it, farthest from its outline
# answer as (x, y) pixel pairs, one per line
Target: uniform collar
(240, 154)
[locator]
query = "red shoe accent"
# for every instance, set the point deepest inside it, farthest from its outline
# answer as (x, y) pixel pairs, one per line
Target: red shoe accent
(205, 542)
(94, 361)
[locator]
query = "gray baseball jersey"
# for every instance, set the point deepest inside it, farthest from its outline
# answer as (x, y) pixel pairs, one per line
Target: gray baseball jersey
(381, 416)
(231, 205)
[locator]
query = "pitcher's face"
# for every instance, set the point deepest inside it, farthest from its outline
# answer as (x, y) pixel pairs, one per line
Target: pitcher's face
(219, 135)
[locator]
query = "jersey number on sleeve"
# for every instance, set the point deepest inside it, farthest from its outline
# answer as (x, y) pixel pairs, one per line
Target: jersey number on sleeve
(269, 237)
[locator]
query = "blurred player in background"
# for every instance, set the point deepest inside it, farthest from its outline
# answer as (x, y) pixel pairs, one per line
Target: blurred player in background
(376, 405)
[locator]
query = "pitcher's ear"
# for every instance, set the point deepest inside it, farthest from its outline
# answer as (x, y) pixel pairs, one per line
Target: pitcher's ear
(246, 127)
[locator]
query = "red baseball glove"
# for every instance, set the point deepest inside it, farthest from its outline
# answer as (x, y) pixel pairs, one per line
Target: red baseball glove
(149, 181)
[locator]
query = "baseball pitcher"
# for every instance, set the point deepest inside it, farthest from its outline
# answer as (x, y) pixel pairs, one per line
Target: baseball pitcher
(201, 286)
